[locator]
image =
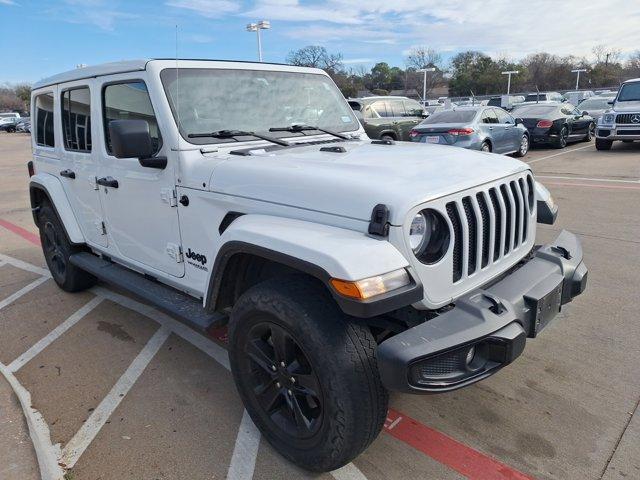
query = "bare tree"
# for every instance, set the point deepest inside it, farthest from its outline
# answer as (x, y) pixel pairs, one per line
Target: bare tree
(606, 55)
(418, 58)
(315, 56)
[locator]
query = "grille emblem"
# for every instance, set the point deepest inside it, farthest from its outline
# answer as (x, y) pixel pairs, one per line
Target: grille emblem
(635, 118)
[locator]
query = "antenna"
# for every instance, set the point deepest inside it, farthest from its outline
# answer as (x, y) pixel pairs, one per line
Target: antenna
(177, 85)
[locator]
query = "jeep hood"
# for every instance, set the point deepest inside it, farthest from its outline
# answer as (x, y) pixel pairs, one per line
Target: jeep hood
(351, 183)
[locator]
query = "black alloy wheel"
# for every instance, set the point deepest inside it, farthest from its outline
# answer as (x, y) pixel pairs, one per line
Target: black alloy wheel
(563, 137)
(53, 250)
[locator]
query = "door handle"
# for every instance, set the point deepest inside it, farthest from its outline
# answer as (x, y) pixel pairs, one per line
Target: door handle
(107, 182)
(68, 174)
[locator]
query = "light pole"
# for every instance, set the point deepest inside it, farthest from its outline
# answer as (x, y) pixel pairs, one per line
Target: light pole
(424, 81)
(511, 72)
(578, 70)
(256, 27)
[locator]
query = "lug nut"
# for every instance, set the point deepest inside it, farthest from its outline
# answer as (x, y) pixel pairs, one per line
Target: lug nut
(282, 364)
(289, 391)
(293, 380)
(273, 367)
(278, 384)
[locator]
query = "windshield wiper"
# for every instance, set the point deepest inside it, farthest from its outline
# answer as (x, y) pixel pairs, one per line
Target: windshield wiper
(239, 133)
(301, 128)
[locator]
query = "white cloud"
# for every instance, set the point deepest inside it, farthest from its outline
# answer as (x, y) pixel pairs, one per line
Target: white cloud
(355, 61)
(207, 8)
(94, 12)
(7, 2)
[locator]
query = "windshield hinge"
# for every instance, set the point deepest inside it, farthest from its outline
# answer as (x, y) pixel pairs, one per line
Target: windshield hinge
(169, 195)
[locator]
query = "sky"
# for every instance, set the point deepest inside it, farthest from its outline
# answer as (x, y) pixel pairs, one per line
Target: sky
(42, 38)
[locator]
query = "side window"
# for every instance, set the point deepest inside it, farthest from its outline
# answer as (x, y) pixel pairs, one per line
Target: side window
(381, 108)
(76, 119)
(129, 101)
(368, 112)
(413, 108)
(397, 108)
(489, 116)
(504, 117)
(44, 120)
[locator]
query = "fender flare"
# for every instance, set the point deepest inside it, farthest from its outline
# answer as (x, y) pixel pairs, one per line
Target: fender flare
(313, 249)
(50, 187)
(547, 208)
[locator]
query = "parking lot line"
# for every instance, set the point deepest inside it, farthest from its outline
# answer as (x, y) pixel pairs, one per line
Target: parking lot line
(589, 179)
(558, 154)
(593, 185)
(83, 437)
(55, 333)
(24, 290)
(24, 265)
(245, 452)
(26, 234)
(348, 472)
(469, 462)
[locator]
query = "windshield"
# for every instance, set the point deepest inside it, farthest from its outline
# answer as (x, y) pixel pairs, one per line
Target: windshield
(451, 116)
(534, 110)
(209, 100)
(630, 93)
(594, 104)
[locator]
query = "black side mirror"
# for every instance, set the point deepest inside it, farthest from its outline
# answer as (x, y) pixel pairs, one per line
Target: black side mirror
(611, 102)
(519, 121)
(585, 113)
(131, 139)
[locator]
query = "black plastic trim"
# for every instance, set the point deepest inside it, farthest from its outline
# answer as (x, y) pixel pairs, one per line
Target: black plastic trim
(546, 214)
(35, 207)
(378, 305)
(228, 219)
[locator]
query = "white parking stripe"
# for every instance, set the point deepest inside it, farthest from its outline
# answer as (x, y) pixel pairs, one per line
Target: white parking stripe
(24, 290)
(46, 453)
(557, 154)
(24, 265)
(54, 334)
(243, 461)
(590, 179)
(348, 472)
(83, 437)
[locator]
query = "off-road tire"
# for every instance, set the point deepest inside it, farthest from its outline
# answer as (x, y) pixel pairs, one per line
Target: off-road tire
(53, 237)
(602, 144)
(341, 353)
(563, 139)
(522, 151)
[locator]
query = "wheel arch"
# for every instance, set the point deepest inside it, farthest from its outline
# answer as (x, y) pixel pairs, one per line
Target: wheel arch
(47, 188)
(391, 133)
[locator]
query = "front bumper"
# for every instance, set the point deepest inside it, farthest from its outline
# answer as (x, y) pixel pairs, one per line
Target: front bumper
(618, 133)
(487, 328)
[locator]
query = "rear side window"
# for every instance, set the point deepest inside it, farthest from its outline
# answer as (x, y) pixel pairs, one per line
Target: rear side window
(44, 120)
(76, 119)
(397, 108)
(382, 108)
(489, 116)
(129, 101)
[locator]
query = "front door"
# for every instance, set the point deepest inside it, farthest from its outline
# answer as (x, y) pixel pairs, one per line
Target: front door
(139, 202)
(512, 136)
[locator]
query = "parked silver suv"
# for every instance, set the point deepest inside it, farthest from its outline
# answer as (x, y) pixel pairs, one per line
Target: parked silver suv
(622, 122)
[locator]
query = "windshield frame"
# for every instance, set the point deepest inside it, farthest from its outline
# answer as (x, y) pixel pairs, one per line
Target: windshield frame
(279, 135)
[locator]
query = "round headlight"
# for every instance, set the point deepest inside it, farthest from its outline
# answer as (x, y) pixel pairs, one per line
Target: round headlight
(429, 236)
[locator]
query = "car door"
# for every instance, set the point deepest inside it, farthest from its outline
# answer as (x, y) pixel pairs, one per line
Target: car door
(402, 124)
(512, 134)
(78, 106)
(493, 129)
(139, 202)
(382, 120)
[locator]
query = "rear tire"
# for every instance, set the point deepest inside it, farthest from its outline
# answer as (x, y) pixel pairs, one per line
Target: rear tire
(485, 147)
(602, 144)
(57, 249)
(387, 138)
(524, 147)
(338, 391)
(563, 138)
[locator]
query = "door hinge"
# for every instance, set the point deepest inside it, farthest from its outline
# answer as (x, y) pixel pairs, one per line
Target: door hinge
(175, 252)
(94, 183)
(169, 195)
(101, 227)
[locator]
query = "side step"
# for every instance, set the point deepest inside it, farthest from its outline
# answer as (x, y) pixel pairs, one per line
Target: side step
(178, 304)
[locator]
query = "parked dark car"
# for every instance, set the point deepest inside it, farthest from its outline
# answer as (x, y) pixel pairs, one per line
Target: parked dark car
(595, 106)
(388, 118)
(544, 97)
(511, 101)
(489, 129)
(555, 123)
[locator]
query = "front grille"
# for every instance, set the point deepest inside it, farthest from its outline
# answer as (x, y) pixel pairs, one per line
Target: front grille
(489, 225)
(623, 118)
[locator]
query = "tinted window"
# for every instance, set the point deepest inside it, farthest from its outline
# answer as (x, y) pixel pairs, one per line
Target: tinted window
(489, 116)
(503, 117)
(534, 97)
(451, 116)
(44, 120)
(129, 101)
(534, 111)
(495, 102)
(413, 108)
(630, 93)
(76, 119)
(382, 108)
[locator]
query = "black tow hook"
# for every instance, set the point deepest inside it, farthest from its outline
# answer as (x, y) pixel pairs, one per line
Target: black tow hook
(562, 251)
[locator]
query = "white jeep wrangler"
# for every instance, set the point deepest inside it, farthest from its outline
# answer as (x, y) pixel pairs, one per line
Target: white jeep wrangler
(622, 121)
(248, 193)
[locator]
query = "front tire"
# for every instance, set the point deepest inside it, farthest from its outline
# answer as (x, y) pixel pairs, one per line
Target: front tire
(387, 138)
(306, 373)
(524, 146)
(602, 144)
(57, 250)
(590, 132)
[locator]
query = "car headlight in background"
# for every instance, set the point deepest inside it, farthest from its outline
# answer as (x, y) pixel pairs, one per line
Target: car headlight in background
(607, 119)
(429, 236)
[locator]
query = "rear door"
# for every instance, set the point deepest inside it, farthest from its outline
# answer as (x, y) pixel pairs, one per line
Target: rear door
(140, 203)
(381, 121)
(493, 130)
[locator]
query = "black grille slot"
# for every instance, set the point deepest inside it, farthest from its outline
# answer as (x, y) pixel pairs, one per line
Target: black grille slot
(484, 211)
(452, 211)
(516, 201)
(473, 231)
(498, 224)
(525, 223)
(507, 212)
